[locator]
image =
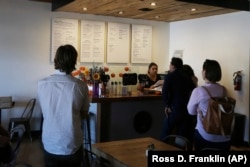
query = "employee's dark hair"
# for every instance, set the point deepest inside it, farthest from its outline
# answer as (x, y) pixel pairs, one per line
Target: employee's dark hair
(177, 62)
(65, 58)
(212, 70)
(151, 64)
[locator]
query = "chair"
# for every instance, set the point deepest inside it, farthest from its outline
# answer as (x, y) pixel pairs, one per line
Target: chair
(25, 117)
(90, 159)
(178, 141)
(87, 136)
(16, 140)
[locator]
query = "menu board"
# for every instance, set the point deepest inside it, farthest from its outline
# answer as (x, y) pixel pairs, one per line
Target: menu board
(64, 31)
(118, 43)
(141, 51)
(92, 41)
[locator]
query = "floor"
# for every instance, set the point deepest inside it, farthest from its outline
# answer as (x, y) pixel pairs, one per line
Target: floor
(31, 152)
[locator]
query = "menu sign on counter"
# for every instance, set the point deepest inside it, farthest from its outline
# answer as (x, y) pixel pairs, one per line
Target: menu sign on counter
(92, 41)
(118, 43)
(141, 51)
(64, 31)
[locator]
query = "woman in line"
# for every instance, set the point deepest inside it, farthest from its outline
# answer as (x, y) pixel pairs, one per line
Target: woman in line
(187, 69)
(198, 105)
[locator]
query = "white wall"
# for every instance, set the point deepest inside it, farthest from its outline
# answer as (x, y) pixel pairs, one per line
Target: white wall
(25, 49)
(225, 38)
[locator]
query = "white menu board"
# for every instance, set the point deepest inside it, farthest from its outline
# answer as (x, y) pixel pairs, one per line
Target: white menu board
(64, 31)
(92, 41)
(118, 43)
(141, 51)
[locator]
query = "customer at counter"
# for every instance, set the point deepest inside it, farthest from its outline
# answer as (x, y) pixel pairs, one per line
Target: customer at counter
(150, 79)
(176, 91)
(187, 69)
(64, 103)
(198, 104)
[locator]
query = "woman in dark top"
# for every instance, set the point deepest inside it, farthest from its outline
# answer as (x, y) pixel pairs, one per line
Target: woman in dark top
(187, 69)
(150, 78)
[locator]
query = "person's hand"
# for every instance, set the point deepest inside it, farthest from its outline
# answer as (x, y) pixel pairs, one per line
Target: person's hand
(167, 111)
(152, 87)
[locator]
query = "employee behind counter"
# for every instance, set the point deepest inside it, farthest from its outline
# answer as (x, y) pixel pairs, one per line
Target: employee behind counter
(150, 80)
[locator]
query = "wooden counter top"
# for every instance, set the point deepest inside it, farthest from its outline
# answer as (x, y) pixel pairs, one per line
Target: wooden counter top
(136, 96)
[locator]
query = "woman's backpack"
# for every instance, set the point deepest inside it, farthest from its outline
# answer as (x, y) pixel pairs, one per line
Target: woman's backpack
(219, 119)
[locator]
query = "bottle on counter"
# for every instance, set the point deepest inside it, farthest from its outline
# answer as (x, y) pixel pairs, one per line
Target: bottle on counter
(115, 88)
(111, 89)
(119, 88)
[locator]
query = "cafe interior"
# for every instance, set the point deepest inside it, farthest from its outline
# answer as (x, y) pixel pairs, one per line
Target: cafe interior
(192, 30)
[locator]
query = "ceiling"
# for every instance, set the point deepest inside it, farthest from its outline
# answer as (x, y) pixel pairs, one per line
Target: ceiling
(165, 10)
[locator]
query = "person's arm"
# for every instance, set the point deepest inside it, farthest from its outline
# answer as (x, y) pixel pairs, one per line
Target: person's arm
(157, 84)
(193, 102)
(139, 87)
(3, 131)
(166, 90)
(4, 137)
(4, 140)
(86, 103)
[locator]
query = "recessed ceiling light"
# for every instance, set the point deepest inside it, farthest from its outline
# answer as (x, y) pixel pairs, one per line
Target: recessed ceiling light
(84, 9)
(152, 3)
(193, 9)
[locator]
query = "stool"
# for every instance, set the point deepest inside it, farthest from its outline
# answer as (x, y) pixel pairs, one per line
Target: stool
(87, 136)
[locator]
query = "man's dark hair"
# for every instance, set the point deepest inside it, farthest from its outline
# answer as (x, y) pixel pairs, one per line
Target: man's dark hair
(65, 59)
(177, 62)
(212, 70)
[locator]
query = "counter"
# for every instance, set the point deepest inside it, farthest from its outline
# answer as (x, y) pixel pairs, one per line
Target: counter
(127, 117)
(135, 96)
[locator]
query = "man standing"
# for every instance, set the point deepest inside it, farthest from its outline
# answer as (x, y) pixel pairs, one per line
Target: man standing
(64, 102)
(176, 91)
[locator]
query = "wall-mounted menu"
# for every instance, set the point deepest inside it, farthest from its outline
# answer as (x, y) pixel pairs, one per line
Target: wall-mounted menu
(92, 41)
(64, 31)
(118, 43)
(141, 51)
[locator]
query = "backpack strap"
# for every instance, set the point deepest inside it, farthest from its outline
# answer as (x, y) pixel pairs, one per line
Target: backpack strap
(223, 95)
(207, 91)
(199, 110)
(224, 91)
